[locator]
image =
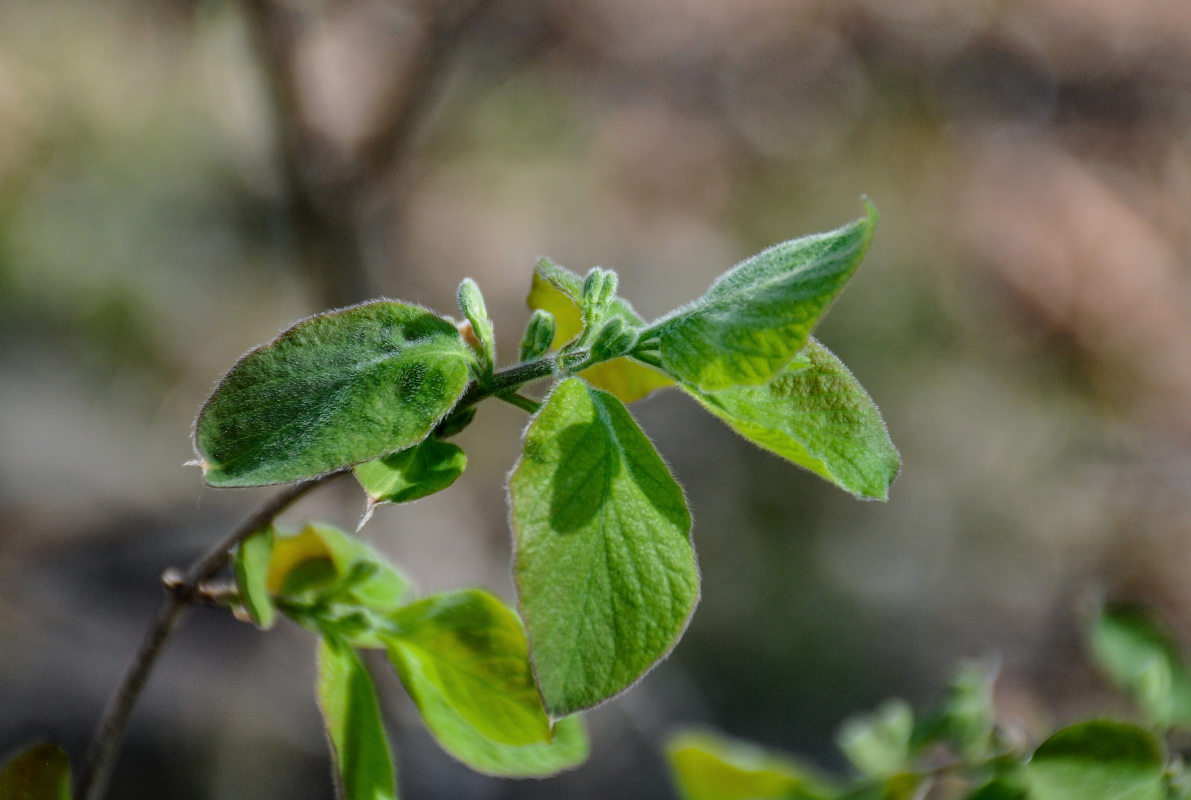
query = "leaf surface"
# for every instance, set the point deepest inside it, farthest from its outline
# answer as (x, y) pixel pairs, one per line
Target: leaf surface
(360, 749)
(39, 772)
(463, 658)
(1143, 659)
(472, 650)
(334, 390)
(428, 467)
(708, 767)
(604, 566)
(251, 566)
(758, 315)
(319, 560)
(557, 290)
(816, 415)
(1098, 760)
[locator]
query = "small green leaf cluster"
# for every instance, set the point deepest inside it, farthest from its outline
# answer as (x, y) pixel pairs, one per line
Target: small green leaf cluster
(957, 751)
(462, 656)
(603, 561)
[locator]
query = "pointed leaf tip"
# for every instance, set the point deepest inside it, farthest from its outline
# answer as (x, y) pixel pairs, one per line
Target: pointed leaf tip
(754, 318)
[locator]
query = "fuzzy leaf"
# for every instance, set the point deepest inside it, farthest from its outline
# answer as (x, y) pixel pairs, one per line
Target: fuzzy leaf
(1098, 760)
(39, 772)
(359, 746)
(759, 314)
(251, 566)
(463, 658)
(604, 566)
(428, 467)
(708, 767)
(816, 415)
(334, 390)
(558, 291)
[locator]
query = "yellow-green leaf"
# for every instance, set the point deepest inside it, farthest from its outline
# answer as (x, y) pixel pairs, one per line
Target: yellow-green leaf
(557, 290)
(39, 772)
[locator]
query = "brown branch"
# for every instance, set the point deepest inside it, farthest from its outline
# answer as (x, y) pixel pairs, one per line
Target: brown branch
(181, 591)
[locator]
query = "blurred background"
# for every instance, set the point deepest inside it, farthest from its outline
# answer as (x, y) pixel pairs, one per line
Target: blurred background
(181, 180)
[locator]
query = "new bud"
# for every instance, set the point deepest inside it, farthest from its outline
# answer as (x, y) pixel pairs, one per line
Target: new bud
(614, 339)
(598, 290)
(539, 335)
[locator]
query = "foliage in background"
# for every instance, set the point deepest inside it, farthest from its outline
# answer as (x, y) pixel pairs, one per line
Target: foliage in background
(958, 750)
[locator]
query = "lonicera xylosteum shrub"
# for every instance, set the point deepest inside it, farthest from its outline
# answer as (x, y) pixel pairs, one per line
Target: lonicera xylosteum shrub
(603, 563)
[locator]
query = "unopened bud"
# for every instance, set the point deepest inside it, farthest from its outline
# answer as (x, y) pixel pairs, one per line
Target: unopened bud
(539, 335)
(599, 287)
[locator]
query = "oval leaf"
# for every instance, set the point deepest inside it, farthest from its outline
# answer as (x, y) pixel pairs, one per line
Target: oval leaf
(816, 415)
(39, 772)
(334, 390)
(251, 566)
(413, 473)
(759, 314)
(1097, 760)
(708, 767)
(359, 746)
(557, 290)
(604, 566)
(463, 658)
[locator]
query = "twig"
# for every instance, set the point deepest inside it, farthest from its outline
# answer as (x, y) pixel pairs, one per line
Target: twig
(181, 590)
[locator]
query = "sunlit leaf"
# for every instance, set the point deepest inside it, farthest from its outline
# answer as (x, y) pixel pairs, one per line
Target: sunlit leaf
(428, 467)
(334, 390)
(39, 772)
(817, 416)
(1098, 760)
(757, 316)
(708, 767)
(557, 290)
(470, 649)
(464, 659)
(363, 761)
(605, 571)
(251, 566)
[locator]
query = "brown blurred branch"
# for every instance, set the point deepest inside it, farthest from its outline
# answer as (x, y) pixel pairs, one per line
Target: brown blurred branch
(181, 590)
(333, 192)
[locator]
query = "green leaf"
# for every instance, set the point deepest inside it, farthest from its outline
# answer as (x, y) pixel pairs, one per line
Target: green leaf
(759, 314)
(363, 761)
(464, 659)
(709, 767)
(471, 648)
(878, 744)
(559, 292)
(604, 566)
(1140, 657)
(1097, 760)
(334, 390)
(251, 567)
(325, 562)
(39, 772)
(426, 468)
(817, 416)
(1000, 788)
